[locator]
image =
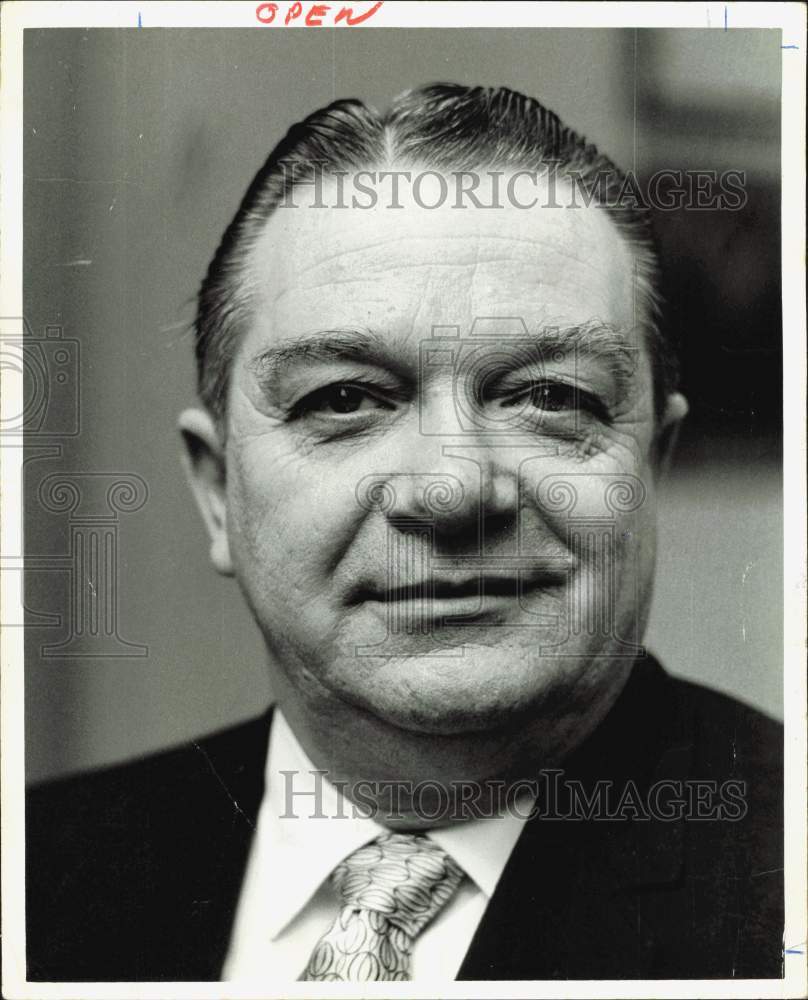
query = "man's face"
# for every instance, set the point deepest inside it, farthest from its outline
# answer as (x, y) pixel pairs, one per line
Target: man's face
(446, 532)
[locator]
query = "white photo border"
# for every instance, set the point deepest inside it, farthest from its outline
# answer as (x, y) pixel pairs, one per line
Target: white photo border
(791, 19)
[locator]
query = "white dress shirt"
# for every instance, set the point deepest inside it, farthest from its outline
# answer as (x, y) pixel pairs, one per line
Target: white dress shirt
(287, 902)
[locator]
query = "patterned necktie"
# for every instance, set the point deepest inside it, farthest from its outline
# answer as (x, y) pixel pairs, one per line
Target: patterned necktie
(390, 889)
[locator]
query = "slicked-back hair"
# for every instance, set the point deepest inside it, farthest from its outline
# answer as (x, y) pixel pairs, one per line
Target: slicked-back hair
(445, 127)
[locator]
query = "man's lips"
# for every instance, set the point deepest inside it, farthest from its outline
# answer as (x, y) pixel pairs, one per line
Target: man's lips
(461, 588)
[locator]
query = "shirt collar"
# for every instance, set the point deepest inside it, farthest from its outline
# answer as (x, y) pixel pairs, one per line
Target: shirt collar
(482, 846)
(300, 845)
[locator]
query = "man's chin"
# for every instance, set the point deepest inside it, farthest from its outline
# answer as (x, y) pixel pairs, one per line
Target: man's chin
(476, 690)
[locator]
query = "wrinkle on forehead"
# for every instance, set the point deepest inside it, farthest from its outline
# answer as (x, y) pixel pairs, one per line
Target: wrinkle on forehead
(535, 259)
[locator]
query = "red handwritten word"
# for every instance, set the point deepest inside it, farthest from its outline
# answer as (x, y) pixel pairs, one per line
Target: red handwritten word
(266, 13)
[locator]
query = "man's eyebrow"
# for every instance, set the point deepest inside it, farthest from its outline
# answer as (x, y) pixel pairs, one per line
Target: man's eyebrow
(324, 346)
(606, 343)
(595, 339)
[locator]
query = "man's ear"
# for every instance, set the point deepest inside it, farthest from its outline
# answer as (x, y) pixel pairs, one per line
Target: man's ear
(667, 432)
(204, 464)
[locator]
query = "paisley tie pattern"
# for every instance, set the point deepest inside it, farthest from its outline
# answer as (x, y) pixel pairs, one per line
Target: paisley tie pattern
(390, 889)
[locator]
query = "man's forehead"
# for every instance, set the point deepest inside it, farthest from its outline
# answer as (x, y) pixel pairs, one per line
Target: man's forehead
(555, 263)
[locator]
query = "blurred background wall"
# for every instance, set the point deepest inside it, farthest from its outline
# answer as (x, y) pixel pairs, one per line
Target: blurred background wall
(138, 147)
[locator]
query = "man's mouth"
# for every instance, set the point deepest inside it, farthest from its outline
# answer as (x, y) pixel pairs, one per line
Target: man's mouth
(457, 594)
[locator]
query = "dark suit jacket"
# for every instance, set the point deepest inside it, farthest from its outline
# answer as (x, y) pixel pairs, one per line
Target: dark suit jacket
(134, 871)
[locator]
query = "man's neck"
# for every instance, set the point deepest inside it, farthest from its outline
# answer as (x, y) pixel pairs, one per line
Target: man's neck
(408, 779)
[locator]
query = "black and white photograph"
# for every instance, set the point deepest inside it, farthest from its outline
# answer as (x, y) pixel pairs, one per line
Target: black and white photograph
(403, 461)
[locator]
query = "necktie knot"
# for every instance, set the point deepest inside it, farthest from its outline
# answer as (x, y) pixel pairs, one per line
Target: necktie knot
(403, 876)
(389, 890)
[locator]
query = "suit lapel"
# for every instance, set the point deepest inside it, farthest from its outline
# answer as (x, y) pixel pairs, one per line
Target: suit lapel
(568, 904)
(204, 867)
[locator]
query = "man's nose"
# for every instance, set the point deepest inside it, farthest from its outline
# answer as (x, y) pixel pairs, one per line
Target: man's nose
(462, 495)
(458, 484)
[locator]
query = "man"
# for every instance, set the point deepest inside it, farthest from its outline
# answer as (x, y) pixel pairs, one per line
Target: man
(436, 406)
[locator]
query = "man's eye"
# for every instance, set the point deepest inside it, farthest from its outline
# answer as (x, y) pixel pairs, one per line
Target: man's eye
(553, 396)
(340, 398)
(558, 397)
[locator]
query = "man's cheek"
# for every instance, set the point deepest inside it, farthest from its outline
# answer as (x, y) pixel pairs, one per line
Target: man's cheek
(286, 520)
